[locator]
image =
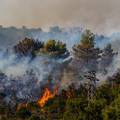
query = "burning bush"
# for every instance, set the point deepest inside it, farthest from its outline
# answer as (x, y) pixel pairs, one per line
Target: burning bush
(46, 96)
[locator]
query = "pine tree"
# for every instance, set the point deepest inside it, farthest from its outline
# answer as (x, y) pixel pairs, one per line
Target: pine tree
(85, 52)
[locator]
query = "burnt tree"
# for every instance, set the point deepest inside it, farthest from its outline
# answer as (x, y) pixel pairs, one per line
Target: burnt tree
(27, 46)
(106, 58)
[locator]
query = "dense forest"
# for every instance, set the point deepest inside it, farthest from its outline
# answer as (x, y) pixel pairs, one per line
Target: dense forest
(71, 104)
(85, 96)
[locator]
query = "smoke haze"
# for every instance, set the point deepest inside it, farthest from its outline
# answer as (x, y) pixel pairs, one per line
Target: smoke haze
(99, 15)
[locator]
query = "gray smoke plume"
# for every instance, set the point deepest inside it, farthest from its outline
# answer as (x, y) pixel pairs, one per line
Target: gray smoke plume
(98, 15)
(25, 77)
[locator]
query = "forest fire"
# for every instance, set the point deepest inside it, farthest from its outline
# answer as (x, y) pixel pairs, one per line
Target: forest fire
(46, 96)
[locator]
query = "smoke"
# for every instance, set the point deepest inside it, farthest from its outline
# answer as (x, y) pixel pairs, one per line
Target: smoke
(10, 65)
(70, 35)
(26, 77)
(111, 69)
(99, 15)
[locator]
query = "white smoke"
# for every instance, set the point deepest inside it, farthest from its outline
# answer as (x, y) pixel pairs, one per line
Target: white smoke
(26, 76)
(70, 36)
(111, 69)
(18, 75)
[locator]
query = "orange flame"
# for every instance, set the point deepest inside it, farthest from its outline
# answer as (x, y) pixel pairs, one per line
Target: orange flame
(46, 96)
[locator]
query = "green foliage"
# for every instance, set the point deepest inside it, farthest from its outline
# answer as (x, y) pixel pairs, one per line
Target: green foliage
(94, 109)
(105, 92)
(112, 112)
(87, 40)
(105, 105)
(53, 48)
(86, 52)
(52, 45)
(34, 117)
(23, 113)
(3, 109)
(109, 114)
(75, 109)
(33, 47)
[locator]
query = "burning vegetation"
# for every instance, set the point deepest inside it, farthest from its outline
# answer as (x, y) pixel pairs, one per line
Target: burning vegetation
(83, 97)
(46, 96)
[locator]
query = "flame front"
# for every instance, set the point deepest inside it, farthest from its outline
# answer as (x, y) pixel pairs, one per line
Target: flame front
(46, 96)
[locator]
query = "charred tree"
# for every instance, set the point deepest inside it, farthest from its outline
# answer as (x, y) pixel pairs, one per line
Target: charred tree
(27, 47)
(106, 58)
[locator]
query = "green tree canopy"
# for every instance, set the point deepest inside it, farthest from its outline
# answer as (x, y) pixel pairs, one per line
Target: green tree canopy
(87, 39)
